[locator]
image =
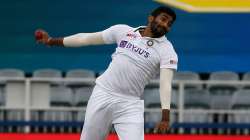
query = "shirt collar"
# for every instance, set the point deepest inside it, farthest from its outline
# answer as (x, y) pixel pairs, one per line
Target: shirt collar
(160, 39)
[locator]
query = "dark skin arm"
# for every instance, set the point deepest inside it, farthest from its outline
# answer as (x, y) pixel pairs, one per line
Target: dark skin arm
(49, 41)
(163, 125)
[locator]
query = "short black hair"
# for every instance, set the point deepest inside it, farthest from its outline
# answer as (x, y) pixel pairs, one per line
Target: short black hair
(164, 9)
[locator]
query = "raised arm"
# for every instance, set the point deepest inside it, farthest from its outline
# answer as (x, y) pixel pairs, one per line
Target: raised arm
(77, 40)
(166, 76)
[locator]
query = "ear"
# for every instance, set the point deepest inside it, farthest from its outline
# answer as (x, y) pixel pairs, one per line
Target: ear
(150, 19)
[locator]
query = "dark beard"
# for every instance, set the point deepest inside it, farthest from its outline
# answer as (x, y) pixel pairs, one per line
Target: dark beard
(157, 30)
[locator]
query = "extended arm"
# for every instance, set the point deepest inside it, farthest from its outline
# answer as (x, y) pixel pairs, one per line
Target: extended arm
(77, 40)
(107, 36)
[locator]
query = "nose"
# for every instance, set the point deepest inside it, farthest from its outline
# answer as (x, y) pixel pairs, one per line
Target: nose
(165, 24)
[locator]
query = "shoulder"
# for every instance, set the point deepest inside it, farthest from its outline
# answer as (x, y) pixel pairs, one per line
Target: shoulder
(115, 33)
(118, 29)
(168, 56)
(166, 48)
(121, 27)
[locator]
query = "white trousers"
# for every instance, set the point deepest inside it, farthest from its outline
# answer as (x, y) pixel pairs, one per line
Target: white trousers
(105, 109)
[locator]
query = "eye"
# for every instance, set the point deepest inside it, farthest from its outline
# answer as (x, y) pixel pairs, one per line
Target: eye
(170, 23)
(167, 20)
(164, 19)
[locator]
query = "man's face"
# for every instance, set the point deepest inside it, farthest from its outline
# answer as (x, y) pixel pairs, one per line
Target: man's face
(161, 24)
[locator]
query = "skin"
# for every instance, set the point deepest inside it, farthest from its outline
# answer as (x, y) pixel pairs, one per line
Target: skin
(45, 37)
(47, 40)
(157, 27)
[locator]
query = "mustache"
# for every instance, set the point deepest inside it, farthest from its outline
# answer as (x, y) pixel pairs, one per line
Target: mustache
(162, 28)
(158, 30)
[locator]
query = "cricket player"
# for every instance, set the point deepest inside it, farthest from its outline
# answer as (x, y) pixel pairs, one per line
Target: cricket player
(141, 53)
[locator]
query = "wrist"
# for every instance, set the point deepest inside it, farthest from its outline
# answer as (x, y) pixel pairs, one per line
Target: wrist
(54, 41)
(49, 41)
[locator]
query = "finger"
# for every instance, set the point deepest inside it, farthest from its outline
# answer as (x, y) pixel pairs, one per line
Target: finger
(41, 41)
(168, 128)
(38, 41)
(156, 129)
(42, 32)
(161, 130)
(164, 128)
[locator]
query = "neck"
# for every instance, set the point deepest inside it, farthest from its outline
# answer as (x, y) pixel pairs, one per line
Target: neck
(146, 32)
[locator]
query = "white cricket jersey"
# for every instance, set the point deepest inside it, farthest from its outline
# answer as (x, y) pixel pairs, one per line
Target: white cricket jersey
(136, 60)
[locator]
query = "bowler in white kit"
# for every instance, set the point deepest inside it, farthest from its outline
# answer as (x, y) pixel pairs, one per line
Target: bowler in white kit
(141, 53)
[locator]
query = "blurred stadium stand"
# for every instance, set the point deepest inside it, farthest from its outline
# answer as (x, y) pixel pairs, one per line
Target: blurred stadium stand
(61, 108)
(205, 42)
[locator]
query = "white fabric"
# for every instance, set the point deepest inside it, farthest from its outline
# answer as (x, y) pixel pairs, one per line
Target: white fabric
(83, 39)
(166, 76)
(105, 109)
(134, 63)
(130, 131)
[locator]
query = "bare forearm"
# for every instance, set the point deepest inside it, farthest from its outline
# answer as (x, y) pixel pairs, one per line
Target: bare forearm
(165, 115)
(55, 42)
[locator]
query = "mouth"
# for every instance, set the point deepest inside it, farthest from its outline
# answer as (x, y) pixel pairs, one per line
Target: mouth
(158, 30)
(162, 29)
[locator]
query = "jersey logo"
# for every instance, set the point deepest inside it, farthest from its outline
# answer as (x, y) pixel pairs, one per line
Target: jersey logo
(129, 46)
(131, 35)
(123, 44)
(173, 62)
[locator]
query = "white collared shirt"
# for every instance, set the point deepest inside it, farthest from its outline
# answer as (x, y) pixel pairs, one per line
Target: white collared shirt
(136, 60)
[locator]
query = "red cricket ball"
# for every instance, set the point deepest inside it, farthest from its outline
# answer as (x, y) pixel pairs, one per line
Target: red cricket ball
(38, 34)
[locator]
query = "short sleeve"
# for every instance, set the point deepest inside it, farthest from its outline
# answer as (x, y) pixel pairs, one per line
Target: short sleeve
(168, 57)
(113, 33)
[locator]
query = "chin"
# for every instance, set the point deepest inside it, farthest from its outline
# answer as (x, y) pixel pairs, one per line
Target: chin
(157, 35)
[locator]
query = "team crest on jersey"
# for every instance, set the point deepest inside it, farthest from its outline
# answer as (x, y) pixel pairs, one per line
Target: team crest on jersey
(150, 43)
